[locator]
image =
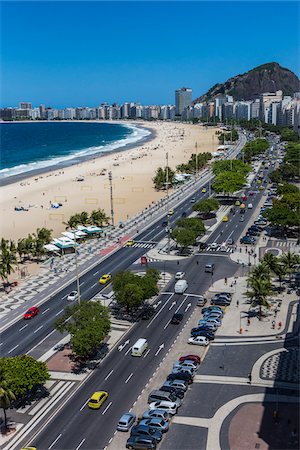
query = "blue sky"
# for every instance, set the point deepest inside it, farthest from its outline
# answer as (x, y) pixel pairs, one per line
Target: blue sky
(85, 53)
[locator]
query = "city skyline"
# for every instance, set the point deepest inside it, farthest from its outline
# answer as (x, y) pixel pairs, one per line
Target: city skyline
(91, 54)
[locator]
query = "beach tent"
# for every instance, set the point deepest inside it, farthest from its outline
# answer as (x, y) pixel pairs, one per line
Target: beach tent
(64, 243)
(74, 234)
(52, 248)
(89, 230)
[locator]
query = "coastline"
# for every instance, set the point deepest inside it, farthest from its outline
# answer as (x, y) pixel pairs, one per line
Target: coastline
(132, 172)
(4, 181)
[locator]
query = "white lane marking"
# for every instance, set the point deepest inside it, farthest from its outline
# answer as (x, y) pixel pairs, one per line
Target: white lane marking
(81, 284)
(108, 375)
(128, 378)
(65, 296)
(165, 304)
(53, 331)
(46, 310)
(147, 353)
(181, 304)
(230, 234)
(108, 406)
(167, 324)
(14, 348)
(23, 327)
(79, 445)
(95, 273)
(38, 329)
(84, 405)
(95, 284)
(126, 353)
(54, 442)
(57, 314)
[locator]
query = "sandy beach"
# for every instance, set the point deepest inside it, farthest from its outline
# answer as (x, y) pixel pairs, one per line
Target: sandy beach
(132, 173)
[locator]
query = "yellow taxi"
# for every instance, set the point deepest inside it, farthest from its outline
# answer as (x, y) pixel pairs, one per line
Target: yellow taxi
(97, 399)
(225, 219)
(237, 203)
(105, 278)
(129, 243)
(171, 212)
(28, 448)
(242, 206)
(258, 181)
(203, 190)
(261, 188)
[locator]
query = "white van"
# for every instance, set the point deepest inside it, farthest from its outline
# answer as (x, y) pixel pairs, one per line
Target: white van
(181, 286)
(139, 347)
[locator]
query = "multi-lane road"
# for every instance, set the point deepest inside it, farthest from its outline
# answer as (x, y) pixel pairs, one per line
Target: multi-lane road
(73, 425)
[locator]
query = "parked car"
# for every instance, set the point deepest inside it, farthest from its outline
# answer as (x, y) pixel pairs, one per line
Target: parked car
(178, 384)
(247, 240)
(187, 370)
(126, 422)
(156, 424)
(169, 407)
(213, 315)
(209, 326)
(142, 430)
(211, 308)
(156, 414)
(210, 335)
(199, 340)
(201, 301)
(214, 320)
(180, 376)
(220, 301)
(191, 358)
(141, 442)
(178, 392)
(251, 232)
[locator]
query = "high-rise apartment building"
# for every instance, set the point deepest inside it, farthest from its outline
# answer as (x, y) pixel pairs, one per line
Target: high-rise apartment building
(25, 105)
(183, 99)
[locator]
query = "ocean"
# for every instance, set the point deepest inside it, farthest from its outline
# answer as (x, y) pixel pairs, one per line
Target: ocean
(35, 147)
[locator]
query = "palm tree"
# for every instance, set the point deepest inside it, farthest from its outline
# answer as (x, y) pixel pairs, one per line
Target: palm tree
(84, 218)
(8, 258)
(73, 222)
(44, 234)
(260, 271)
(280, 271)
(98, 217)
(28, 245)
(21, 248)
(290, 261)
(271, 261)
(6, 397)
(260, 289)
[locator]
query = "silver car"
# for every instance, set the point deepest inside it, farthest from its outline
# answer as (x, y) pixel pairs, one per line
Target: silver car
(126, 422)
(177, 384)
(156, 414)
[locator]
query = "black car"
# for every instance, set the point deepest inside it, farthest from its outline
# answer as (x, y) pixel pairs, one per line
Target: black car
(220, 302)
(185, 376)
(177, 318)
(178, 392)
(164, 223)
(183, 214)
(198, 332)
(206, 333)
(252, 232)
(256, 228)
(202, 246)
(144, 431)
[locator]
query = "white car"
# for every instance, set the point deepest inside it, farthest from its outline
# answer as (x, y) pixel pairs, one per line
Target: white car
(198, 340)
(169, 407)
(179, 275)
(250, 206)
(214, 245)
(213, 321)
(72, 296)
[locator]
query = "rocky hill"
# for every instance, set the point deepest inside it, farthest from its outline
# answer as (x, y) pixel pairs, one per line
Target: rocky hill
(268, 77)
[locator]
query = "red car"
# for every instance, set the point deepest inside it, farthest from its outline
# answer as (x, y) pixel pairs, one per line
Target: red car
(195, 358)
(244, 198)
(33, 311)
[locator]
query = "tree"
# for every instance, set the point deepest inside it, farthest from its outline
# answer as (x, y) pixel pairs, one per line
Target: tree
(281, 214)
(88, 324)
(184, 237)
(73, 222)
(206, 206)
(287, 188)
(258, 293)
(44, 235)
(162, 177)
(232, 165)
(23, 373)
(260, 271)
(290, 262)
(21, 248)
(7, 258)
(148, 284)
(98, 217)
(193, 224)
(6, 397)
(122, 278)
(270, 260)
(84, 218)
(229, 182)
(131, 296)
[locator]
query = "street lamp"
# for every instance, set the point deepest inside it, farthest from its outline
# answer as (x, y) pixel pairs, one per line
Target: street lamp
(77, 272)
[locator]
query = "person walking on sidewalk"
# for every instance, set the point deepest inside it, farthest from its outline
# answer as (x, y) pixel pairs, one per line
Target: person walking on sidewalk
(237, 303)
(273, 324)
(279, 325)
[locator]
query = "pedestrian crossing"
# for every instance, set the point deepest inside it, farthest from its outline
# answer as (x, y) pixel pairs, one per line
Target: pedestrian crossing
(148, 245)
(220, 248)
(283, 244)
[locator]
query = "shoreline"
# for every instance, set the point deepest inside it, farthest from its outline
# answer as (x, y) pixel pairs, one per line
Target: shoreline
(30, 204)
(4, 181)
